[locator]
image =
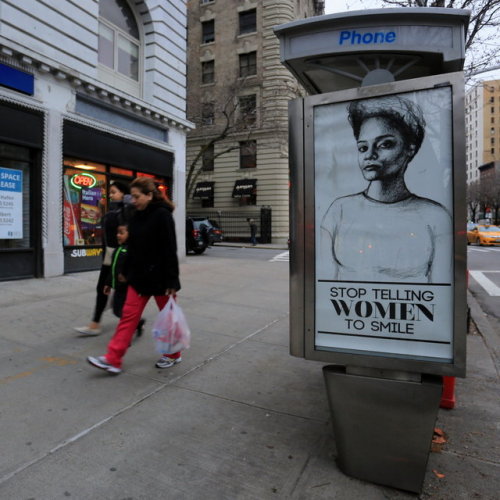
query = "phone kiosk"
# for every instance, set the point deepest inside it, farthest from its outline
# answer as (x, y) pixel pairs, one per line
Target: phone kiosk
(378, 250)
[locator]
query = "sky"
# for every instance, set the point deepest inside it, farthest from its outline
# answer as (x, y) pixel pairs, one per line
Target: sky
(332, 6)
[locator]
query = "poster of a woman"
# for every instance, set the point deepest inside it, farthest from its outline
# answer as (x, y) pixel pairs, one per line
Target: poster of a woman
(384, 227)
(393, 227)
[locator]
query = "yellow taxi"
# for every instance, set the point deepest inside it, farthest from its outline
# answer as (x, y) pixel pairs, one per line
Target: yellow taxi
(482, 234)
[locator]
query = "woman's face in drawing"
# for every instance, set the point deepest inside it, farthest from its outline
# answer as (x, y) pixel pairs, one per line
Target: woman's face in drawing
(382, 151)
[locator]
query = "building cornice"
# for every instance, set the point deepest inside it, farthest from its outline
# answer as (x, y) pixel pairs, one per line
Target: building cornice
(98, 90)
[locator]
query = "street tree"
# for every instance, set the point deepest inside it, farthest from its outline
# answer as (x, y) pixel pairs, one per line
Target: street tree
(481, 43)
(490, 197)
(473, 199)
(229, 113)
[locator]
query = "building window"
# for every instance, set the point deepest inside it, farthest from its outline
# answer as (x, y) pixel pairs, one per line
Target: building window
(248, 64)
(118, 46)
(492, 109)
(492, 140)
(207, 159)
(492, 99)
(492, 119)
(207, 72)
(492, 130)
(248, 154)
(248, 21)
(492, 151)
(207, 113)
(208, 31)
(248, 109)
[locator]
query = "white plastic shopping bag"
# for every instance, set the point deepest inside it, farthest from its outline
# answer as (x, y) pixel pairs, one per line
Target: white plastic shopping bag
(170, 330)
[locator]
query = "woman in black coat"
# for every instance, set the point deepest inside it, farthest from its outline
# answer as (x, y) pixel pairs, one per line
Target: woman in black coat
(151, 269)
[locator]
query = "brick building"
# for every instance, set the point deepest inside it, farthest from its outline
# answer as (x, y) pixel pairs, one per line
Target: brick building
(238, 95)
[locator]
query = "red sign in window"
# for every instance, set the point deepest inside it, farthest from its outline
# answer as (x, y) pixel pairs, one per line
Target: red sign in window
(80, 181)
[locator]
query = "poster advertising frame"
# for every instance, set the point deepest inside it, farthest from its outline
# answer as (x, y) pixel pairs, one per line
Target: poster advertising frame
(380, 282)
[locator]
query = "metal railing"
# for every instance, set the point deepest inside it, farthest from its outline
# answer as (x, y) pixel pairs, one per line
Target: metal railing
(234, 224)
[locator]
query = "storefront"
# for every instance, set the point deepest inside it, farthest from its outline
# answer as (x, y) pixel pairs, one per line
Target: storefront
(78, 116)
(92, 161)
(21, 141)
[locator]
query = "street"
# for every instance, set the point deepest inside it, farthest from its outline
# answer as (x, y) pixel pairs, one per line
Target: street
(239, 418)
(236, 252)
(484, 281)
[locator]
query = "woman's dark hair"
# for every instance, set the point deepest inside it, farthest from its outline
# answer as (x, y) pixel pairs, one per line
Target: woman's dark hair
(147, 185)
(121, 186)
(402, 114)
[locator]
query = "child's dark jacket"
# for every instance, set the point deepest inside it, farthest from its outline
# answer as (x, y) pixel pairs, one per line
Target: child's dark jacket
(120, 287)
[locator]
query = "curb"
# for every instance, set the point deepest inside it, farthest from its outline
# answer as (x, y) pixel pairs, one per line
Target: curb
(248, 245)
(491, 338)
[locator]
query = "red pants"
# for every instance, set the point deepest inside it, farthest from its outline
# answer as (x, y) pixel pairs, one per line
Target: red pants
(131, 314)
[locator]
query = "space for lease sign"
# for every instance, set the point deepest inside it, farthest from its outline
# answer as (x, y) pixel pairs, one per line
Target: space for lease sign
(11, 203)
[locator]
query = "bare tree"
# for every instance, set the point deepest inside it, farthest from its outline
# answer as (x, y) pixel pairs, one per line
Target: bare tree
(473, 199)
(490, 197)
(229, 114)
(481, 43)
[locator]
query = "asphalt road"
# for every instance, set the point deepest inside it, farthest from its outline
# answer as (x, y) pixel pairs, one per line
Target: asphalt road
(222, 252)
(484, 277)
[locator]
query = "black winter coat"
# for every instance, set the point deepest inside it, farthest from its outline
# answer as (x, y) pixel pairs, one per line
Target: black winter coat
(118, 213)
(151, 265)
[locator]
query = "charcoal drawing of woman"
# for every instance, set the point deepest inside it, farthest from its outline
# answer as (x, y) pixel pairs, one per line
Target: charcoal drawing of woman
(386, 233)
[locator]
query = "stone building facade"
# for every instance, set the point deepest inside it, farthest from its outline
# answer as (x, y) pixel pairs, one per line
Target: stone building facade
(482, 126)
(91, 92)
(238, 93)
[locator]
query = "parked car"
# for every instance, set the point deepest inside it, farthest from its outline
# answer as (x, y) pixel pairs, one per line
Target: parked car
(201, 233)
(215, 232)
(483, 235)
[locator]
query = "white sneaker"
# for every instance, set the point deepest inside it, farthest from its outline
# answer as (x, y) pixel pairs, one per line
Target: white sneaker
(101, 362)
(166, 362)
(86, 330)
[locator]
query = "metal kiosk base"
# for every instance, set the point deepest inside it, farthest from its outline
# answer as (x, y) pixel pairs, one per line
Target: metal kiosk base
(383, 423)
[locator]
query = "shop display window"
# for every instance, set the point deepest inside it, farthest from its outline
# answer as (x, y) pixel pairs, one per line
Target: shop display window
(160, 183)
(121, 171)
(15, 206)
(84, 207)
(85, 187)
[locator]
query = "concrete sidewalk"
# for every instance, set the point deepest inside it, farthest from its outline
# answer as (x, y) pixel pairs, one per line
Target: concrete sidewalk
(239, 418)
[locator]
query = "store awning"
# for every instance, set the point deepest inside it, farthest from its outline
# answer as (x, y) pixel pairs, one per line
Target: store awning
(204, 190)
(244, 187)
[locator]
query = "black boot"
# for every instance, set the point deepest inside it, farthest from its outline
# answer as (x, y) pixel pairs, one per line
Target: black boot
(140, 327)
